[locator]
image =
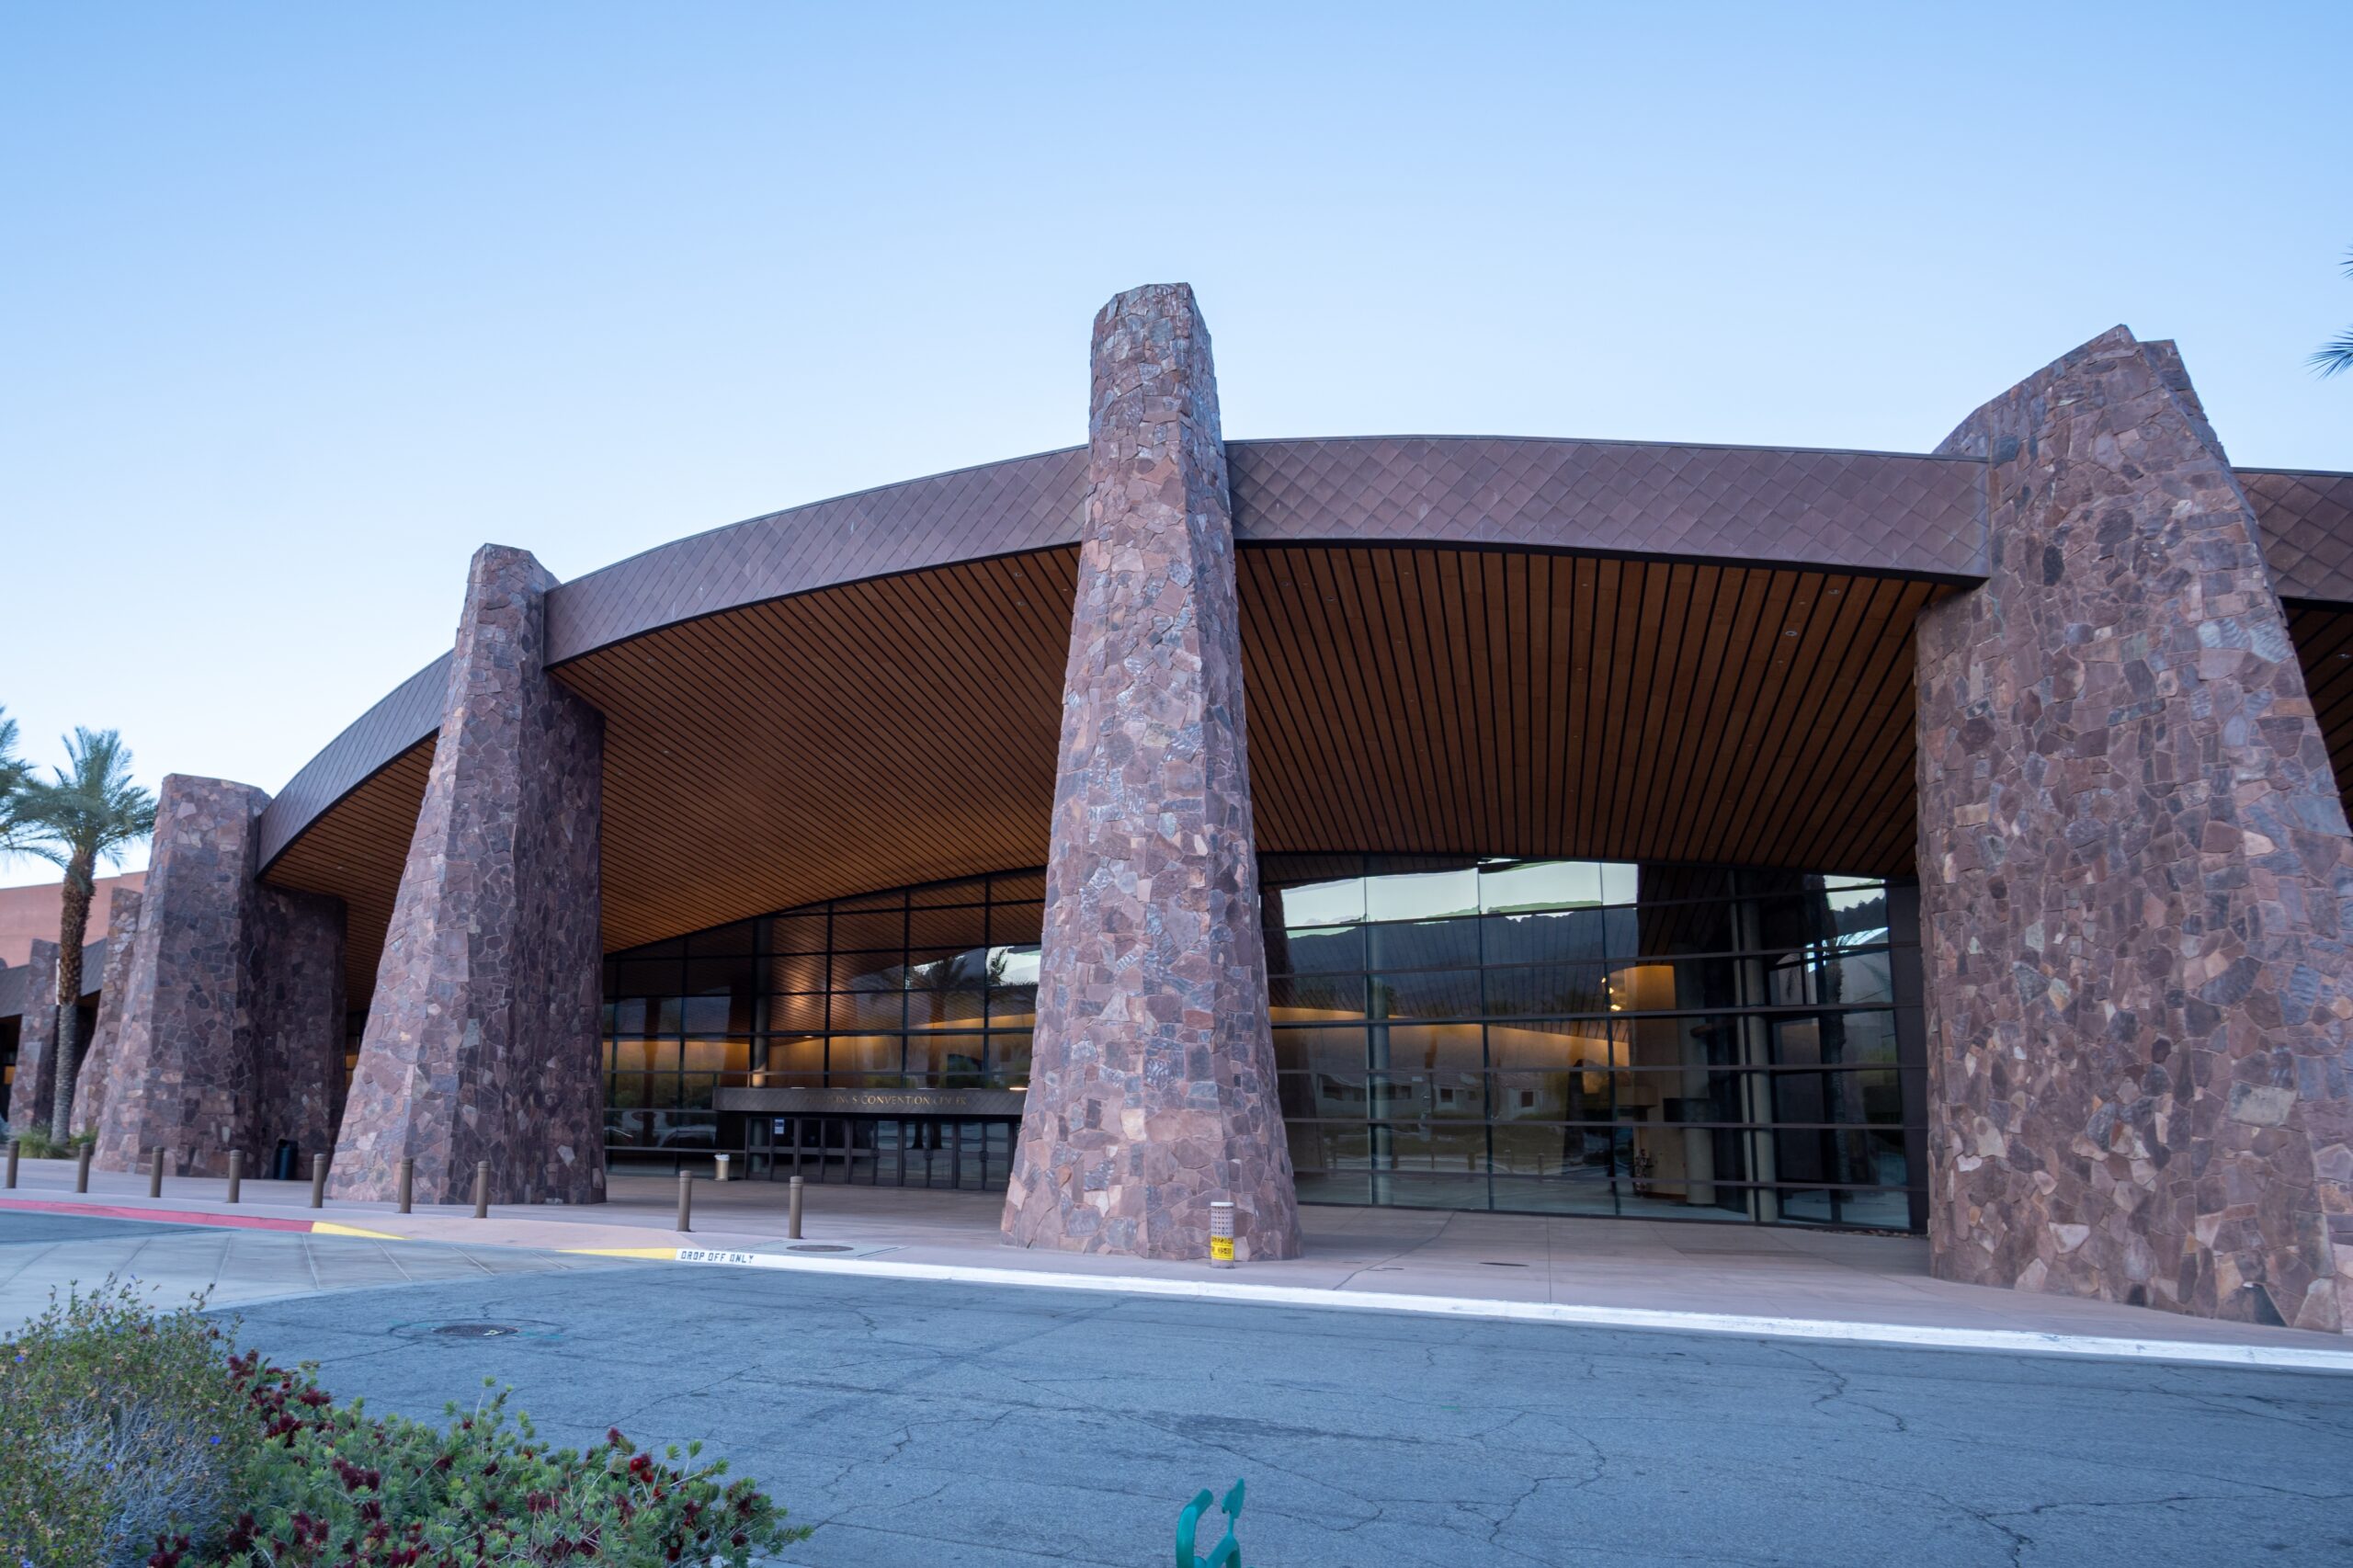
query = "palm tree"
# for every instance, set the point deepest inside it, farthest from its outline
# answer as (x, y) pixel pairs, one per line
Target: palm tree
(2336, 353)
(91, 811)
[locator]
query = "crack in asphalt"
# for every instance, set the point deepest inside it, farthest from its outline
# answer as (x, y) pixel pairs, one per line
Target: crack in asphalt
(907, 1417)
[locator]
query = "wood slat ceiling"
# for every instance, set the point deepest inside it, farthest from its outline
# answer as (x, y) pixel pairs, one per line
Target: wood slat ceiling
(1440, 700)
(864, 736)
(1493, 702)
(2324, 639)
(354, 850)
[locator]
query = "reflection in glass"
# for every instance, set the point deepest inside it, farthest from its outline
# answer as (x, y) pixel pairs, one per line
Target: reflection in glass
(1448, 1031)
(1315, 998)
(1425, 895)
(1314, 950)
(1428, 944)
(1668, 1055)
(1427, 993)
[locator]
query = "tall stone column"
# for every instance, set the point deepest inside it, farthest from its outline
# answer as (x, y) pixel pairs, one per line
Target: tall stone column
(223, 974)
(482, 1040)
(2135, 876)
(1151, 1088)
(36, 1081)
(294, 1013)
(122, 936)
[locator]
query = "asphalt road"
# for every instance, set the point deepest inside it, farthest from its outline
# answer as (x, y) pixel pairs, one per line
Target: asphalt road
(982, 1426)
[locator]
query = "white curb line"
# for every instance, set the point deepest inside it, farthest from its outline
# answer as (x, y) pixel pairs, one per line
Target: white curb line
(2282, 1357)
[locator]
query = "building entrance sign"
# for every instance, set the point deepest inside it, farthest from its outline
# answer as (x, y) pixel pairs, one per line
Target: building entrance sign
(770, 1100)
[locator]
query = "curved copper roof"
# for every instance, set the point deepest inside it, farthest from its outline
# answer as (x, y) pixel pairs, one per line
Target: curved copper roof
(1878, 513)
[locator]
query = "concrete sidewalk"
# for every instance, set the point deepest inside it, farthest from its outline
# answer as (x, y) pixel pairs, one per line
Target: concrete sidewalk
(1638, 1266)
(170, 1264)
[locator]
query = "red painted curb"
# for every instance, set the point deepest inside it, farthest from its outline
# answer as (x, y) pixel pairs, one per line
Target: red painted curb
(161, 1216)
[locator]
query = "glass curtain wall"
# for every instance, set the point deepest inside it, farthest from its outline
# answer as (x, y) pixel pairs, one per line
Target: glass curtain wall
(1549, 1037)
(933, 987)
(1582, 1038)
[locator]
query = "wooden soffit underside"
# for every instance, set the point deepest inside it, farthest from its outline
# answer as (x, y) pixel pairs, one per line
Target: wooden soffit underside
(1438, 700)
(354, 850)
(2324, 639)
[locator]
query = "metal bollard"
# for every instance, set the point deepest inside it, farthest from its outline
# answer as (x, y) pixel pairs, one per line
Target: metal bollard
(408, 1184)
(155, 1174)
(721, 1174)
(793, 1209)
(481, 1190)
(318, 1181)
(236, 1173)
(82, 1169)
(1220, 1235)
(15, 1152)
(686, 1200)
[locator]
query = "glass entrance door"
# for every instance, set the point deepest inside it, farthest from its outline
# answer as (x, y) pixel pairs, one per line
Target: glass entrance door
(951, 1153)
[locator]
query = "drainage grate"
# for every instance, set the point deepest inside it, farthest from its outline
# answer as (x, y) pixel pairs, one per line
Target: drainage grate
(472, 1328)
(820, 1246)
(1491, 1263)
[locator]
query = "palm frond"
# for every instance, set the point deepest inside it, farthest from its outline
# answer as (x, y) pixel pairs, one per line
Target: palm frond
(2334, 355)
(15, 771)
(92, 810)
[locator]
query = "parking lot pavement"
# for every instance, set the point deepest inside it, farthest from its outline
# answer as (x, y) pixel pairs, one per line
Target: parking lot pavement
(919, 1421)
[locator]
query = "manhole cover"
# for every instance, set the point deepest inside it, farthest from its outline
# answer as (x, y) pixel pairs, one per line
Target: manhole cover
(820, 1246)
(469, 1329)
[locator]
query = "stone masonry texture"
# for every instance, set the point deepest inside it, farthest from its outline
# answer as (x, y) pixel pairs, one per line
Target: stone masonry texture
(226, 1034)
(36, 1081)
(1151, 1090)
(293, 1013)
(122, 934)
(2135, 877)
(482, 1042)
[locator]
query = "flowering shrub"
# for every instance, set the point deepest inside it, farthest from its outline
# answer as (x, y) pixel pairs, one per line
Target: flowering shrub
(130, 1439)
(115, 1424)
(338, 1486)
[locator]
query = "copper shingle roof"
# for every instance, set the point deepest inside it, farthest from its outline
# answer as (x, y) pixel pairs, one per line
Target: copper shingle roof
(1875, 512)
(2307, 522)
(409, 713)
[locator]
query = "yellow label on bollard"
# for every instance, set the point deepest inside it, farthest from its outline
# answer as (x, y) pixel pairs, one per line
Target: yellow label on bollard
(1221, 1249)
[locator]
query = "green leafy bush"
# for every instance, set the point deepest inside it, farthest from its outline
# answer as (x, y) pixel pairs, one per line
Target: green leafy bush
(129, 1439)
(40, 1145)
(116, 1424)
(338, 1486)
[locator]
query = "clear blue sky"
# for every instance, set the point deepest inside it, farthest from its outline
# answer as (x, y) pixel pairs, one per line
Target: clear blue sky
(304, 302)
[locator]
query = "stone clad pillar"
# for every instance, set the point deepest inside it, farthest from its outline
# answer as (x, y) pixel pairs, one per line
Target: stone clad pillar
(122, 934)
(294, 1013)
(1151, 1089)
(34, 1087)
(2135, 877)
(482, 1038)
(223, 973)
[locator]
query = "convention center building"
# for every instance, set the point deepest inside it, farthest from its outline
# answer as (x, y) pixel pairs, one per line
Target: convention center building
(1945, 843)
